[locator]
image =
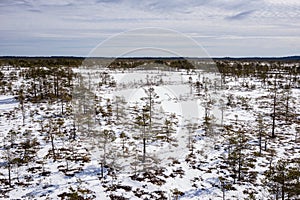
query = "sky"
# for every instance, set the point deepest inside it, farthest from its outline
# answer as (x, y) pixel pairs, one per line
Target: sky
(221, 28)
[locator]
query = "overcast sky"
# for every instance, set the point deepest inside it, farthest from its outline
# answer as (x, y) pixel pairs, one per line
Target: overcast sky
(223, 27)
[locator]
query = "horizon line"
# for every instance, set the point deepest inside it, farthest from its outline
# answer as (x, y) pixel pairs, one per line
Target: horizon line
(152, 57)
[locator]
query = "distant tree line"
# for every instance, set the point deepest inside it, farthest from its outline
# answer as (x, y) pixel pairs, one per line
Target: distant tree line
(40, 61)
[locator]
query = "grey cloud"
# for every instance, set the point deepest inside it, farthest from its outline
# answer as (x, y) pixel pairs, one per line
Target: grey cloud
(35, 10)
(241, 15)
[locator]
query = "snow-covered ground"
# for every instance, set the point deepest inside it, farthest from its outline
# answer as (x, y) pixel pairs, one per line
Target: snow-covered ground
(187, 163)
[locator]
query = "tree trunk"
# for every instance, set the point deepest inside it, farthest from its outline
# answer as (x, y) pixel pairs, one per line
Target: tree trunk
(23, 115)
(265, 144)
(62, 106)
(144, 150)
(259, 143)
(9, 173)
(282, 192)
(74, 130)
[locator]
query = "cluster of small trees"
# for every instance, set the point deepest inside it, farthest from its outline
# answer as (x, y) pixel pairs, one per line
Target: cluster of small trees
(18, 153)
(283, 179)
